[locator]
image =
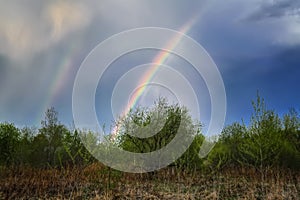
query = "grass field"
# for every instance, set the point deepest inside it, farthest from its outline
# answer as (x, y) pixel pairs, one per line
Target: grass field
(98, 182)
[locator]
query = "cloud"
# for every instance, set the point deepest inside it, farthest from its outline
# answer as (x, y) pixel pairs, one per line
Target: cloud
(265, 23)
(38, 37)
(29, 28)
(26, 29)
(66, 16)
(276, 9)
(47, 31)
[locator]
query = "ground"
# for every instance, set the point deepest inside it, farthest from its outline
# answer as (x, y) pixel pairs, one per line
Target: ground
(98, 182)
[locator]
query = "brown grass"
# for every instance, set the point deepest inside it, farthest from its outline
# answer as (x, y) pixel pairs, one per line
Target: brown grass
(92, 182)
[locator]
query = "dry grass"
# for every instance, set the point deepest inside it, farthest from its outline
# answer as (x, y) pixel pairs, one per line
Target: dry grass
(92, 182)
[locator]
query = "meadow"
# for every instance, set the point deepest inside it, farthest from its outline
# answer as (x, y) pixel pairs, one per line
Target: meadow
(96, 181)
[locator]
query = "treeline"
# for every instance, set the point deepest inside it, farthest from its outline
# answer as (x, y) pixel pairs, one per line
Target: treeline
(268, 141)
(52, 145)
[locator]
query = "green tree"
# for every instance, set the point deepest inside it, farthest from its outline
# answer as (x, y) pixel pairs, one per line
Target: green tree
(190, 159)
(226, 151)
(9, 139)
(24, 148)
(145, 130)
(290, 154)
(39, 148)
(75, 150)
(291, 122)
(54, 132)
(263, 143)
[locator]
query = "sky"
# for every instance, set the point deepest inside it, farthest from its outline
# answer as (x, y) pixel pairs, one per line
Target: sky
(254, 43)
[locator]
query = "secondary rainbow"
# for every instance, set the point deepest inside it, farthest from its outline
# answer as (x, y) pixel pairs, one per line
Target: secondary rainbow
(61, 76)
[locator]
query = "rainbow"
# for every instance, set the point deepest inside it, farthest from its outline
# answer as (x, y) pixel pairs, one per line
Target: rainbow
(60, 78)
(159, 59)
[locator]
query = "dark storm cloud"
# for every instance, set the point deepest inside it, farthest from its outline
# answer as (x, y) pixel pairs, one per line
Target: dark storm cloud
(276, 9)
(275, 76)
(290, 56)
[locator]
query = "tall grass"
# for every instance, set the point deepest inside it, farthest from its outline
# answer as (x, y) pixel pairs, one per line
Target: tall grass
(98, 182)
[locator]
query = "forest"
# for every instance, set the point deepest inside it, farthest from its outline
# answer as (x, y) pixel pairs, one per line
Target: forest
(259, 160)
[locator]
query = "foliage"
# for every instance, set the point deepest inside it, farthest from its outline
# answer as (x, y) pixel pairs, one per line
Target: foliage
(263, 141)
(52, 145)
(226, 152)
(290, 154)
(161, 123)
(9, 138)
(268, 141)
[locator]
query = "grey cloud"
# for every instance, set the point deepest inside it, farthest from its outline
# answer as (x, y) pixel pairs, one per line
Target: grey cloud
(37, 37)
(276, 9)
(27, 28)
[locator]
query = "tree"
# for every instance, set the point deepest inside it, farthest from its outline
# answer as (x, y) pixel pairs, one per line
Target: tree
(75, 150)
(290, 154)
(263, 142)
(39, 155)
(9, 139)
(24, 148)
(291, 122)
(54, 132)
(226, 151)
(190, 159)
(146, 130)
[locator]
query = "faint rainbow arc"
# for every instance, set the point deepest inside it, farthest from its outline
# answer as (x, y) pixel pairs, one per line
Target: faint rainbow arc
(61, 75)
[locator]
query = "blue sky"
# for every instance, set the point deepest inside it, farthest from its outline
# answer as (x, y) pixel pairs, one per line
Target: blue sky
(254, 43)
